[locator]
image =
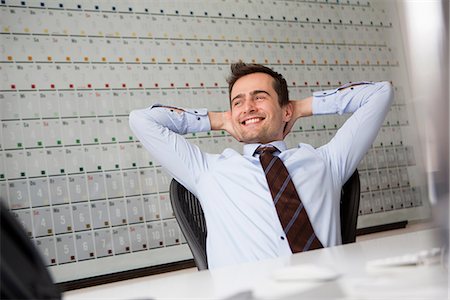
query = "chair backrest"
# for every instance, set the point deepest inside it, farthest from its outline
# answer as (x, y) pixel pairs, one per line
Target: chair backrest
(349, 207)
(191, 219)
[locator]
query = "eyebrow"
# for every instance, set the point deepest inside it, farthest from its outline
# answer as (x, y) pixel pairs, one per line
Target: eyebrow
(252, 93)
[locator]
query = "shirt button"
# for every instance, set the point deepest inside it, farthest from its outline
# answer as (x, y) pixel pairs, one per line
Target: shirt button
(195, 111)
(282, 237)
(198, 118)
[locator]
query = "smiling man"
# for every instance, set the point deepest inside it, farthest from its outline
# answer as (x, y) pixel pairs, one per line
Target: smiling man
(258, 114)
(269, 201)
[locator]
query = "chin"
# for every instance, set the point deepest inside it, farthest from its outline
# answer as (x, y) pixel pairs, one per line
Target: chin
(255, 140)
(258, 139)
(251, 140)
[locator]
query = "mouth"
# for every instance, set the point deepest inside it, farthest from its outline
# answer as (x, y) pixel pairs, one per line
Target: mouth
(253, 120)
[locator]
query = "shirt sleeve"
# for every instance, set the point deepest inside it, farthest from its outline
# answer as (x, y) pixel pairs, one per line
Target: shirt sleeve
(160, 131)
(369, 102)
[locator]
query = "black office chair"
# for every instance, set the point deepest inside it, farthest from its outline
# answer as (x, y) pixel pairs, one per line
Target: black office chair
(191, 219)
(349, 207)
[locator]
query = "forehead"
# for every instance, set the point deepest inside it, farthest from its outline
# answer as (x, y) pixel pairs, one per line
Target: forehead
(252, 82)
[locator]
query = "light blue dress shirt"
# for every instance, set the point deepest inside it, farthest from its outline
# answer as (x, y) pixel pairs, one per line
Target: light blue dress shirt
(242, 222)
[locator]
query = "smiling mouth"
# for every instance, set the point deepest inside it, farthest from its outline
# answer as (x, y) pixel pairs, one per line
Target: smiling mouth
(252, 121)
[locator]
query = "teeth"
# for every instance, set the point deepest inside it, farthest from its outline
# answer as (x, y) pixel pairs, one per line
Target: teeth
(251, 121)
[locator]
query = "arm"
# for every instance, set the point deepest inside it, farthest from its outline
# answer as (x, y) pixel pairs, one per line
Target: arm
(159, 129)
(222, 121)
(369, 104)
(300, 108)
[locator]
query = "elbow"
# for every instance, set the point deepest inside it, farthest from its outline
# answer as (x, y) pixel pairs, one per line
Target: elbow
(134, 119)
(388, 90)
(144, 118)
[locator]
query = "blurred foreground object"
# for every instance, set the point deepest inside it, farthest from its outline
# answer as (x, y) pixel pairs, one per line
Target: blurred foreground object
(426, 25)
(23, 273)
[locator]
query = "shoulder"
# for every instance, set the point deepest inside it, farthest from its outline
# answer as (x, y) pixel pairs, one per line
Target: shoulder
(229, 152)
(305, 150)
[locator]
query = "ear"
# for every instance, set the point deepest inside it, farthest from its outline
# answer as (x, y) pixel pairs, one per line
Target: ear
(288, 111)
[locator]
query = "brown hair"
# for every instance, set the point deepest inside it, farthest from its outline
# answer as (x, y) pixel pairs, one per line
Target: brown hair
(241, 69)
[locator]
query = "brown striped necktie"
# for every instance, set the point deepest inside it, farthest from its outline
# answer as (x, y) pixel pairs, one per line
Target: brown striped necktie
(292, 214)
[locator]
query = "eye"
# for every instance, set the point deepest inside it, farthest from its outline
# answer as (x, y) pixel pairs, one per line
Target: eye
(236, 102)
(260, 97)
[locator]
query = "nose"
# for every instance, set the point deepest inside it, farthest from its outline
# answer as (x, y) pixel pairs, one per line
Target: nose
(249, 105)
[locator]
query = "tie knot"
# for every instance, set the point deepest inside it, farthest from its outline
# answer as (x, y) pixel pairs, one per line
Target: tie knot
(266, 149)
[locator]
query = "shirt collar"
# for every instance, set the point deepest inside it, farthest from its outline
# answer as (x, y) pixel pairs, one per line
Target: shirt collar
(249, 149)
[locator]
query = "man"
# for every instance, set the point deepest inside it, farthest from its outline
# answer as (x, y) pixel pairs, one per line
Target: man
(242, 220)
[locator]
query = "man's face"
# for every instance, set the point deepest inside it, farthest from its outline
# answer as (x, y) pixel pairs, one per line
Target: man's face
(256, 114)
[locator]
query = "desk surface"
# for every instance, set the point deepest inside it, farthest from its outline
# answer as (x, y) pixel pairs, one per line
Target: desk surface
(256, 281)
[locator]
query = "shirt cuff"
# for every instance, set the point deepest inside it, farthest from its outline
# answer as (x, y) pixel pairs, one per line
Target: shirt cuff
(198, 119)
(328, 102)
(193, 120)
